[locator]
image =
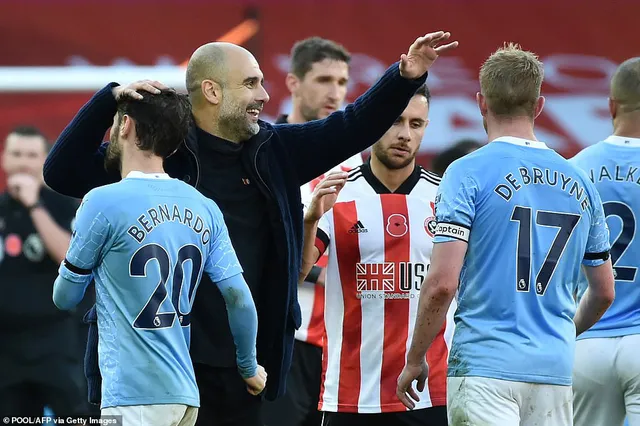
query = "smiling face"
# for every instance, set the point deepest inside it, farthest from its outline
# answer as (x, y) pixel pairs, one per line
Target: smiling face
(398, 147)
(243, 97)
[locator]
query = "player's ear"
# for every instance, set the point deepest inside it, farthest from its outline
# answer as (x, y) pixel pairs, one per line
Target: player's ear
(613, 108)
(212, 91)
(292, 82)
(482, 103)
(539, 106)
(126, 126)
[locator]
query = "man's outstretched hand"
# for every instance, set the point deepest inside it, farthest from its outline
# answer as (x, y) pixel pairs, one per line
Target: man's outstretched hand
(423, 53)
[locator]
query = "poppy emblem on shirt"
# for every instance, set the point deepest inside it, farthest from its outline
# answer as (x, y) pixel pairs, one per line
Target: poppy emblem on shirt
(13, 245)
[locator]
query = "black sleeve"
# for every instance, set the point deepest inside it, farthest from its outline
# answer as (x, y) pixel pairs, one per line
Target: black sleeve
(317, 146)
(75, 164)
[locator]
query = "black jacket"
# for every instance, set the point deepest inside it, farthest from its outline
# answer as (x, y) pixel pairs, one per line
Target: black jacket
(280, 157)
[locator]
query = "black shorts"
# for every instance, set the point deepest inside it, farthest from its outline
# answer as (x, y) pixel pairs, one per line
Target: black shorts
(299, 405)
(434, 416)
(224, 399)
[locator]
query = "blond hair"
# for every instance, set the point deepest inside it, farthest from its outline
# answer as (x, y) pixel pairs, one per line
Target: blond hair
(625, 85)
(510, 80)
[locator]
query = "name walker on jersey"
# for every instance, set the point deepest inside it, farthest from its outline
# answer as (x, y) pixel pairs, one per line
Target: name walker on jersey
(153, 217)
(537, 176)
(615, 174)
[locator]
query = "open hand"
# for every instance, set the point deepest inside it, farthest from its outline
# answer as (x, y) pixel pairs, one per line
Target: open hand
(256, 384)
(423, 53)
(132, 89)
(325, 195)
(405, 392)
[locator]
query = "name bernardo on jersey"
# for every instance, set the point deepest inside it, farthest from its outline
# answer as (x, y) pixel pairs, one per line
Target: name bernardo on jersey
(537, 176)
(161, 214)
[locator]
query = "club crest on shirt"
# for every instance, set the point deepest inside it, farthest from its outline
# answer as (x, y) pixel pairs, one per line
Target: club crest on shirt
(430, 222)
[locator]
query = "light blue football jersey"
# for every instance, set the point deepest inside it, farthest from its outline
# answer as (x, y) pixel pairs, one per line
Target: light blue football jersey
(614, 166)
(531, 219)
(147, 240)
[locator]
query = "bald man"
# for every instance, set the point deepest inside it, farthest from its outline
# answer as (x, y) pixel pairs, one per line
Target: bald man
(253, 170)
(606, 373)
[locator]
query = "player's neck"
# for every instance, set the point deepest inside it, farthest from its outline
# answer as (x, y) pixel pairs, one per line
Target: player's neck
(141, 163)
(296, 116)
(627, 128)
(519, 127)
(392, 179)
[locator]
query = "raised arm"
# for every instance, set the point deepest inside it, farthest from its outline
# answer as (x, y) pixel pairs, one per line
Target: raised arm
(317, 146)
(75, 164)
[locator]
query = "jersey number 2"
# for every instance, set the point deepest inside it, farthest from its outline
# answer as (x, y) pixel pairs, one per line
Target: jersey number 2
(624, 212)
(566, 223)
(149, 317)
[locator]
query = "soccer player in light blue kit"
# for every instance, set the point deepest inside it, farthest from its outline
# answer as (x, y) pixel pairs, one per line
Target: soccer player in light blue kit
(515, 223)
(147, 240)
(606, 375)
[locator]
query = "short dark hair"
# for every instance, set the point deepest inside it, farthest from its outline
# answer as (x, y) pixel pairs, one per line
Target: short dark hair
(444, 159)
(423, 90)
(29, 130)
(162, 120)
(307, 52)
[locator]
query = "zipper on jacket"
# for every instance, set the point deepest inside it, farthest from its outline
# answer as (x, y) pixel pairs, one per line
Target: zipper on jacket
(255, 166)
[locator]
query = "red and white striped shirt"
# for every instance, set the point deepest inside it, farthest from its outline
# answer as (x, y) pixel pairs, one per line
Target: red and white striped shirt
(310, 295)
(379, 247)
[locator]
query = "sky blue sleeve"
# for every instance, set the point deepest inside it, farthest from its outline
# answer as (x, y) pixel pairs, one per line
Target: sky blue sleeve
(598, 245)
(222, 262)
(455, 205)
(243, 321)
(88, 239)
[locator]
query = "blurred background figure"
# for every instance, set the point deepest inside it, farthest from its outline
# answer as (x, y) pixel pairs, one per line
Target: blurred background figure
(441, 161)
(40, 354)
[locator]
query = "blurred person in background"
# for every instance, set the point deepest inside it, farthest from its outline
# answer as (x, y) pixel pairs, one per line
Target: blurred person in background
(40, 354)
(606, 373)
(441, 162)
(317, 81)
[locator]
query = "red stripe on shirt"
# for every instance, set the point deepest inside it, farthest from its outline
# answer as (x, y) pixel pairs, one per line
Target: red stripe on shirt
(348, 254)
(397, 247)
(437, 355)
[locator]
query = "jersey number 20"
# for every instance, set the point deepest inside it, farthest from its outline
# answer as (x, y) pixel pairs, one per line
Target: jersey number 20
(149, 317)
(566, 223)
